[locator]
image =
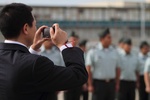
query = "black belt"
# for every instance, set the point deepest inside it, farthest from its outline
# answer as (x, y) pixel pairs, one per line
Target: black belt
(105, 80)
(141, 76)
(127, 81)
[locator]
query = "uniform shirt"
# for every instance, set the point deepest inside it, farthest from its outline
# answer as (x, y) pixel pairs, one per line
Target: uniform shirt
(149, 54)
(103, 62)
(142, 60)
(147, 66)
(84, 54)
(129, 64)
(53, 54)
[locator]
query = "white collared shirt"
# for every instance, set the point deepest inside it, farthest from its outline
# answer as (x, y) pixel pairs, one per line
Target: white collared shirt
(16, 42)
(68, 45)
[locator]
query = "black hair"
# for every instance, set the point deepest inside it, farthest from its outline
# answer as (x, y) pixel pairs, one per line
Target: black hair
(83, 43)
(13, 17)
(143, 43)
(73, 34)
(121, 40)
(104, 33)
(127, 41)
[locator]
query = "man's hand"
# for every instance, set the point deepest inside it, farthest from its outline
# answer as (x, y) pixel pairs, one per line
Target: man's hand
(59, 37)
(85, 87)
(138, 85)
(117, 87)
(90, 88)
(147, 81)
(38, 40)
(147, 89)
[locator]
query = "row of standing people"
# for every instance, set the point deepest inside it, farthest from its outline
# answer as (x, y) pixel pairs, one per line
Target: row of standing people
(111, 70)
(118, 70)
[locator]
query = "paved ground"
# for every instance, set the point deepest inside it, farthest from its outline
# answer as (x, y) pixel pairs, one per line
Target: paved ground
(60, 96)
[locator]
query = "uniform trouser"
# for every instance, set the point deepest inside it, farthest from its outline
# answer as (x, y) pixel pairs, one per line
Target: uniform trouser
(84, 94)
(73, 94)
(127, 90)
(104, 90)
(142, 93)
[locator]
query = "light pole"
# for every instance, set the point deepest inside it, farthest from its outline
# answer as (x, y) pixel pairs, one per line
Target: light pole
(143, 35)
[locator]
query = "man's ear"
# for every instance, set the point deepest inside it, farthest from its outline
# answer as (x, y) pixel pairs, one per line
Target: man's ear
(25, 29)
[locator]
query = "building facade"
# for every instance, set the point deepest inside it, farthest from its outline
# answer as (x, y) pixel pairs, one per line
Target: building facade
(87, 21)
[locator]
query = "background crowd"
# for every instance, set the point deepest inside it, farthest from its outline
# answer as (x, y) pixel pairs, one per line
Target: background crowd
(116, 72)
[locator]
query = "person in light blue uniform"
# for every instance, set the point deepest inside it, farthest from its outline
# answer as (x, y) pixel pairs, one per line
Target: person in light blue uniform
(146, 75)
(129, 67)
(52, 52)
(73, 94)
(120, 45)
(143, 55)
(102, 64)
(84, 91)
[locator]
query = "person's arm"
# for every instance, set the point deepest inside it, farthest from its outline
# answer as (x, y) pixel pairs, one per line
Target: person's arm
(89, 65)
(47, 76)
(118, 72)
(138, 79)
(147, 81)
(146, 75)
(90, 79)
(137, 72)
(37, 41)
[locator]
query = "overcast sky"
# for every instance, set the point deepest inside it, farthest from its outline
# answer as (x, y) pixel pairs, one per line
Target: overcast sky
(59, 2)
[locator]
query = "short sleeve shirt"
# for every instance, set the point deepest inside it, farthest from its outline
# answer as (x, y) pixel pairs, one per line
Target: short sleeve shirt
(142, 60)
(103, 62)
(129, 65)
(147, 66)
(54, 55)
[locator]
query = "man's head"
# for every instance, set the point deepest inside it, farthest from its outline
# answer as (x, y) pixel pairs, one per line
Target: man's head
(17, 21)
(105, 38)
(127, 45)
(74, 39)
(82, 45)
(48, 44)
(144, 47)
(120, 43)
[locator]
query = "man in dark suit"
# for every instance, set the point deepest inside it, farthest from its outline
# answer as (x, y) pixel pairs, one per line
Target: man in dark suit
(73, 94)
(26, 76)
